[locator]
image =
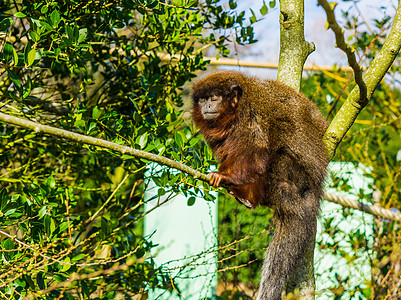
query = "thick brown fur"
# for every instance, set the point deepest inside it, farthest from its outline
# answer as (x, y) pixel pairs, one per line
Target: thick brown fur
(268, 139)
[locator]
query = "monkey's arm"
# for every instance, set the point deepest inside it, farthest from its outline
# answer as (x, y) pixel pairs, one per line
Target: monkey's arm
(240, 168)
(249, 194)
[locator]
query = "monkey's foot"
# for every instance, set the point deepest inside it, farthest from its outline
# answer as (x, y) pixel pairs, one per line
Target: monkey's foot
(215, 179)
(247, 203)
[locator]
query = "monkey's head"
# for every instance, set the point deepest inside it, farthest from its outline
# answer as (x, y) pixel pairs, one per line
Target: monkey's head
(216, 97)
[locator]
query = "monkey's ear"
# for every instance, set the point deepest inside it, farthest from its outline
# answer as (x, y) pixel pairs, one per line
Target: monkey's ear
(236, 93)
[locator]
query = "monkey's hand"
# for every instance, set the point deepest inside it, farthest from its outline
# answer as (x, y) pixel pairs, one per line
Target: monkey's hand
(216, 178)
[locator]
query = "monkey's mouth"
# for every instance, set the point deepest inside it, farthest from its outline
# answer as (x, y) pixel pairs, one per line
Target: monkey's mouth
(210, 115)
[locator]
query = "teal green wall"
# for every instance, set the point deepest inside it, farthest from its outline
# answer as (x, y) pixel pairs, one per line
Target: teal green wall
(186, 238)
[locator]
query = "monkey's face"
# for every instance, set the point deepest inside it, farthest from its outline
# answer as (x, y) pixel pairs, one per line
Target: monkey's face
(214, 104)
(211, 107)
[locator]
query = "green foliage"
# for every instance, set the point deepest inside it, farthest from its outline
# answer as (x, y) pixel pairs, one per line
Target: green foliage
(247, 234)
(70, 214)
(373, 141)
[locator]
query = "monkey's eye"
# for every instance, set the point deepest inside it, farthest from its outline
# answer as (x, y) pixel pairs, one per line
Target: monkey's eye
(216, 98)
(202, 100)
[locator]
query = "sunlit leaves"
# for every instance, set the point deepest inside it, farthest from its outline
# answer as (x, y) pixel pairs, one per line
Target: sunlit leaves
(100, 70)
(29, 55)
(20, 15)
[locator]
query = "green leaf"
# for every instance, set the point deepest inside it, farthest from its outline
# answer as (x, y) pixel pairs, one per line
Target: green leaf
(5, 24)
(20, 15)
(63, 226)
(67, 265)
(176, 156)
(55, 18)
(92, 125)
(140, 253)
(26, 51)
(144, 82)
(59, 278)
(34, 36)
(29, 280)
(143, 140)
(253, 18)
(193, 142)
(80, 124)
(15, 55)
(264, 9)
(10, 211)
(14, 78)
(52, 225)
(82, 35)
(8, 51)
(193, 3)
(161, 192)
(179, 139)
(118, 25)
(178, 3)
(78, 257)
(191, 201)
(40, 280)
(105, 225)
(30, 57)
(67, 41)
(96, 113)
(232, 4)
(152, 4)
(47, 26)
(42, 211)
(272, 4)
(28, 87)
(50, 182)
(7, 244)
(209, 197)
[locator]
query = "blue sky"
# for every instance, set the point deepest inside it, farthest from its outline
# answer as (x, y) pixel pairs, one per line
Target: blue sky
(267, 30)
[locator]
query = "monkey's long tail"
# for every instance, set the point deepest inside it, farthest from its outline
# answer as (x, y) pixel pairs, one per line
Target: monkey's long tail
(286, 253)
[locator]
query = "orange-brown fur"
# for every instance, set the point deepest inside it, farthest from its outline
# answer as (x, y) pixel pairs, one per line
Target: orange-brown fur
(271, 152)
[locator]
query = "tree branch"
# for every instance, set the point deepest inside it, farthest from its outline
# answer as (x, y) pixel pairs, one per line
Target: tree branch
(293, 48)
(80, 138)
(340, 42)
(349, 111)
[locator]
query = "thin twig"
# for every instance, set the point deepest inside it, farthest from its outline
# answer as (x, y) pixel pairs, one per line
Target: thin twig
(341, 44)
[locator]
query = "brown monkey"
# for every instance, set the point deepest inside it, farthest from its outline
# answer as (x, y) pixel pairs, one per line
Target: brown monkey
(268, 139)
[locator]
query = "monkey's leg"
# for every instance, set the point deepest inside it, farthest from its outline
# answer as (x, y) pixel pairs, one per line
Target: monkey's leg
(295, 222)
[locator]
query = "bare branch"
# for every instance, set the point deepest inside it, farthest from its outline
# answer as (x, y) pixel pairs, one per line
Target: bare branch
(349, 111)
(349, 51)
(293, 48)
